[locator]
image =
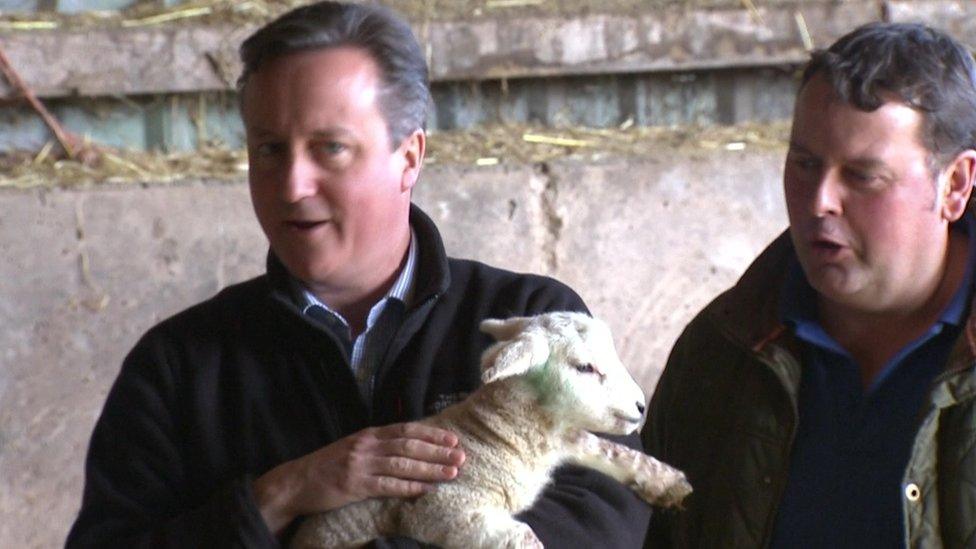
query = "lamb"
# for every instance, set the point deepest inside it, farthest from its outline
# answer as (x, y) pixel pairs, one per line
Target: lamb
(548, 380)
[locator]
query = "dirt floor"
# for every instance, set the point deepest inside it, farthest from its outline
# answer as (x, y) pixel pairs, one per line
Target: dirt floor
(487, 146)
(148, 12)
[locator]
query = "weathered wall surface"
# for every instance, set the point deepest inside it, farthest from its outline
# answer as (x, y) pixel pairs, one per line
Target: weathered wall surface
(140, 58)
(646, 241)
(168, 86)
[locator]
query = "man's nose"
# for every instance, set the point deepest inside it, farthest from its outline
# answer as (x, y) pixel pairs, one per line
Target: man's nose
(301, 178)
(827, 195)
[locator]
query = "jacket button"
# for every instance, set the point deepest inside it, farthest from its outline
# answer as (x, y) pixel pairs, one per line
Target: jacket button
(912, 492)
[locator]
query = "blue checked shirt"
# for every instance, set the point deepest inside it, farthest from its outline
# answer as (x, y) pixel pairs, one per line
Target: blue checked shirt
(361, 359)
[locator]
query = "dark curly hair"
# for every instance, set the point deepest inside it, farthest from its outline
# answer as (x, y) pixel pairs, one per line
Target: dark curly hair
(923, 67)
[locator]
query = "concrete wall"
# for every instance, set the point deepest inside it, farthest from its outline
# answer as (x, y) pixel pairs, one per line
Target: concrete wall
(646, 241)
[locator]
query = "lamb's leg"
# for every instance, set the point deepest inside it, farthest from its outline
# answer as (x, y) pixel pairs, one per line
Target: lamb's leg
(477, 529)
(654, 481)
(351, 526)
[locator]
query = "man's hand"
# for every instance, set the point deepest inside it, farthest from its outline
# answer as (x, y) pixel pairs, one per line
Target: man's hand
(400, 460)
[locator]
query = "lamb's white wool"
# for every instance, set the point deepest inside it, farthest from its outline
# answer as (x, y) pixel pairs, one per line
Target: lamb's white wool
(549, 380)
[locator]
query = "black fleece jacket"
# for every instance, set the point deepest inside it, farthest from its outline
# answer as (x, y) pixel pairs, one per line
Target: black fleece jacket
(217, 395)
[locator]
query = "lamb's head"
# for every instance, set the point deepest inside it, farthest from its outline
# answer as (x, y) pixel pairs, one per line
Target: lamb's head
(569, 361)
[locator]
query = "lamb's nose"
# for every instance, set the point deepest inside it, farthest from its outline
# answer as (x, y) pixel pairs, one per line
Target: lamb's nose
(640, 408)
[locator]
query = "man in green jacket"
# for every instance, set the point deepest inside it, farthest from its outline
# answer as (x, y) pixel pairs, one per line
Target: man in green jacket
(828, 399)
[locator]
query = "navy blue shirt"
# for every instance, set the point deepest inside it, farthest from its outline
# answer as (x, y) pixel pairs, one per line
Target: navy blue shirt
(852, 444)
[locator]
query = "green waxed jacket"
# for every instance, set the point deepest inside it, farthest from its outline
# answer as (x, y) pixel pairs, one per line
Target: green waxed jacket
(725, 413)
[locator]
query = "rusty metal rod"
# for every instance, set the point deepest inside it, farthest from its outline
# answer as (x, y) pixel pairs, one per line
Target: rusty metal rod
(62, 136)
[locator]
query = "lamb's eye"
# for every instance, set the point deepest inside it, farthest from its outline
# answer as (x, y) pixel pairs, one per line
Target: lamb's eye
(585, 368)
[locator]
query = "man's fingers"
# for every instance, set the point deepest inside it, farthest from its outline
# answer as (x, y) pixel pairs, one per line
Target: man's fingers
(418, 442)
(406, 469)
(397, 488)
(422, 451)
(420, 431)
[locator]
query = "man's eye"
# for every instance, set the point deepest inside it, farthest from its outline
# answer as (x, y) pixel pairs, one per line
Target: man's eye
(863, 179)
(585, 368)
(267, 149)
(806, 164)
(332, 147)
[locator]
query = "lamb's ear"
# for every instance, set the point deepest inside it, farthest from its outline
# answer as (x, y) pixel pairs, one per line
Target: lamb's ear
(504, 329)
(509, 358)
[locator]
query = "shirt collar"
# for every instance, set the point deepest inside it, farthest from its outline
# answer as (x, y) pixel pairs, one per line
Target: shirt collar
(401, 290)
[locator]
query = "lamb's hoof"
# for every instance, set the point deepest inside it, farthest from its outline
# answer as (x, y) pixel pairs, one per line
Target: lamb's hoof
(668, 493)
(675, 493)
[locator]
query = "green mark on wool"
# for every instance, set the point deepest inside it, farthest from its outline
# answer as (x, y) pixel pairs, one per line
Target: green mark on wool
(543, 381)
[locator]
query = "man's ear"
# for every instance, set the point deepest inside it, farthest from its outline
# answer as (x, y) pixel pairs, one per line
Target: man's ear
(412, 148)
(960, 175)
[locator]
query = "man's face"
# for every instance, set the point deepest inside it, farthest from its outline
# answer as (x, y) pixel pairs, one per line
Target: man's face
(329, 190)
(866, 216)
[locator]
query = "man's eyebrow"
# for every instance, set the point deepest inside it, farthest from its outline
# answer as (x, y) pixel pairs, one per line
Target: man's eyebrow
(322, 133)
(869, 163)
(796, 147)
(259, 131)
(864, 163)
(332, 131)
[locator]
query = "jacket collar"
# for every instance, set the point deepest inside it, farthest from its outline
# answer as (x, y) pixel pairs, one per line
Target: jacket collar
(748, 313)
(433, 271)
(958, 382)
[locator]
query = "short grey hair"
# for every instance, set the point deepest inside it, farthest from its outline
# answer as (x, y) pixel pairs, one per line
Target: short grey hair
(405, 93)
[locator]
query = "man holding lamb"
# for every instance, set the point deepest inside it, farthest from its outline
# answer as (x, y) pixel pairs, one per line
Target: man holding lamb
(298, 392)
